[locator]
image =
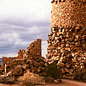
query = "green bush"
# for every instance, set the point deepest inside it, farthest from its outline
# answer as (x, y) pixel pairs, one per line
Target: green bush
(53, 71)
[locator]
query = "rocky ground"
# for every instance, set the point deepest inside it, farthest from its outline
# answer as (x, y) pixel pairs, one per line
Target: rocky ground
(64, 83)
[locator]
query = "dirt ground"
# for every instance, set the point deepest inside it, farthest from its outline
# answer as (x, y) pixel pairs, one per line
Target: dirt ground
(68, 83)
(64, 83)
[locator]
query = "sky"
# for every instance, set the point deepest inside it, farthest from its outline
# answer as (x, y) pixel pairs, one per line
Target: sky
(21, 22)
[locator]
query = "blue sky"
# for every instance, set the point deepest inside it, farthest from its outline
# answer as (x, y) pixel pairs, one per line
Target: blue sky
(21, 22)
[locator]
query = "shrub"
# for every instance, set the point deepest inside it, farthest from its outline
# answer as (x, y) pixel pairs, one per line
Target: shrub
(53, 71)
(31, 79)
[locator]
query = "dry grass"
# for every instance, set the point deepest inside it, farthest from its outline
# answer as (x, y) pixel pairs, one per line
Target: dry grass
(31, 79)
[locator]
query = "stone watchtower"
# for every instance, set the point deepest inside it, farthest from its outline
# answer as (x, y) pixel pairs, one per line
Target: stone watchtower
(67, 39)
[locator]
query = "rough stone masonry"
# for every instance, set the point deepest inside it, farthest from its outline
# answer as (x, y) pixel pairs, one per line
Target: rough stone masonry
(67, 39)
(31, 60)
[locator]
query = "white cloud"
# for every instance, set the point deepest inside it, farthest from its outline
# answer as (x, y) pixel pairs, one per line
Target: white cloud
(12, 38)
(34, 30)
(44, 48)
(22, 21)
(27, 10)
(9, 37)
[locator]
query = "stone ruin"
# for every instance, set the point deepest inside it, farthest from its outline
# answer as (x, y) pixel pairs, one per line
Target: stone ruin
(30, 59)
(67, 39)
(66, 42)
(35, 62)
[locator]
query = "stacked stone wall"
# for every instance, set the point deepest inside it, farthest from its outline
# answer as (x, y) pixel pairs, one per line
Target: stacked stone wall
(20, 54)
(67, 39)
(68, 13)
(34, 48)
(30, 59)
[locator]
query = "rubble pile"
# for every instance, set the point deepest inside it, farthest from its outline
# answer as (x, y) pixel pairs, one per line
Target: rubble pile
(67, 39)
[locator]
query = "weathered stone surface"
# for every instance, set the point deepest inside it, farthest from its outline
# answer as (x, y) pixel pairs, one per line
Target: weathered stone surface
(20, 54)
(67, 39)
(68, 13)
(17, 71)
(30, 59)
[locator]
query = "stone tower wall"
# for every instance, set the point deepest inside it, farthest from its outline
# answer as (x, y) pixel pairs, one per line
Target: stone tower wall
(67, 39)
(67, 13)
